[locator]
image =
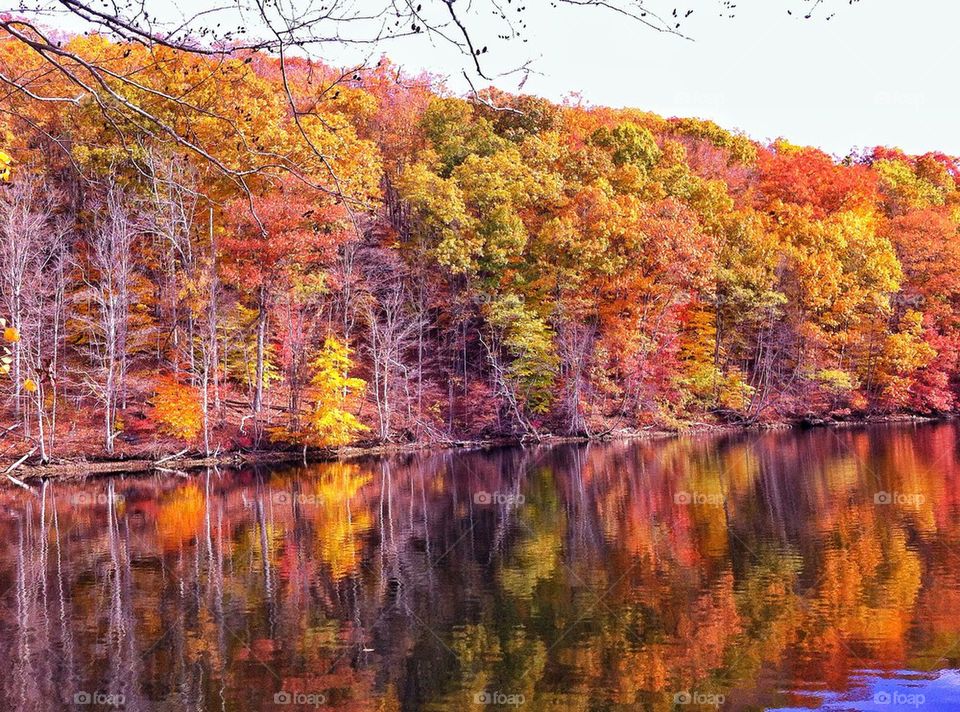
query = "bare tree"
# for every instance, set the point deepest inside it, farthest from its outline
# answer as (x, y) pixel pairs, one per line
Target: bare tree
(393, 324)
(575, 341)
(108, 278)
(209, 341)
(505, 386)
(190, 272)
(22, 227)
(174, 217)
(303, 313)
(33, 255)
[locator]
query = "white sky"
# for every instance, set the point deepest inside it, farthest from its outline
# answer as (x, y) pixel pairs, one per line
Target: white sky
(880, 72)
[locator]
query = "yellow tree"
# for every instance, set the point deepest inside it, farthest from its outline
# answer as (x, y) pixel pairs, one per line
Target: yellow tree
(332, 424)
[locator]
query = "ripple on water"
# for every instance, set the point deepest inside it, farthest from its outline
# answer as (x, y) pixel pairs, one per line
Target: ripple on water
(876, 691)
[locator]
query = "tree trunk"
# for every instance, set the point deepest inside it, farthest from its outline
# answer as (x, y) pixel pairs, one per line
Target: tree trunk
(261, 348)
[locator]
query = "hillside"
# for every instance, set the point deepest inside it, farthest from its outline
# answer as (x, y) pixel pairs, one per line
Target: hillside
(308, 257)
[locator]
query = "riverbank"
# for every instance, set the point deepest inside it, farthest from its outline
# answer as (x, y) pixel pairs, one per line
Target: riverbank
(182, 462)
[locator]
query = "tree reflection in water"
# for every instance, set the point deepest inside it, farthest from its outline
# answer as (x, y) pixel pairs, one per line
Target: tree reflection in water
(782, 570)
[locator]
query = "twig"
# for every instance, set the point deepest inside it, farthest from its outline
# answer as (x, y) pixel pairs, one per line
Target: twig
(486, 102)
(5, 431)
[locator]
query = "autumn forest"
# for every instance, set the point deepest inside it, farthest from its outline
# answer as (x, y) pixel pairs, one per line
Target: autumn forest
(230, 253)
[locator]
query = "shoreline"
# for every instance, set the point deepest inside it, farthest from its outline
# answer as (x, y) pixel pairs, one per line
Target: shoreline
(183, 462)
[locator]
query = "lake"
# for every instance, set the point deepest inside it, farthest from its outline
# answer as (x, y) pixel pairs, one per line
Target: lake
(788, 570)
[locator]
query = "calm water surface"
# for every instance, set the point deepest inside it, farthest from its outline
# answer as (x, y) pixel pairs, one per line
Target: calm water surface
(784, 571)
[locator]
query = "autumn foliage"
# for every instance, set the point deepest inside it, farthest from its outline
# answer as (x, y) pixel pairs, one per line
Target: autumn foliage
(177, 410)
(409, 265)
(332, 423)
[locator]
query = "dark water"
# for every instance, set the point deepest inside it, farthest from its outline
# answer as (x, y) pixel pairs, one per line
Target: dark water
(786, 571)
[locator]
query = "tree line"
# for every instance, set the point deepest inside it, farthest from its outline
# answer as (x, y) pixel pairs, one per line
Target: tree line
(280, 253)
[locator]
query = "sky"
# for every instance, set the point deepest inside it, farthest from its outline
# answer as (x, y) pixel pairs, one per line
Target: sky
(879, 72)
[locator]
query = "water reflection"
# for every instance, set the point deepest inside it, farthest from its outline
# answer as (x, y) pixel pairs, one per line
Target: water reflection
(780, 571)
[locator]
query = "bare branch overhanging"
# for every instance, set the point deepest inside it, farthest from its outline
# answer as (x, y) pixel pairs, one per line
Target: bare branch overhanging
(285, 30)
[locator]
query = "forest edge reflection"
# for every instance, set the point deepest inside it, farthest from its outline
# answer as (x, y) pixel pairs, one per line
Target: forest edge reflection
(777, 571)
